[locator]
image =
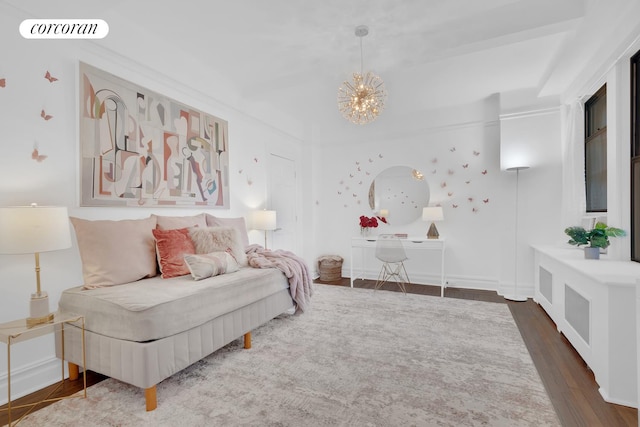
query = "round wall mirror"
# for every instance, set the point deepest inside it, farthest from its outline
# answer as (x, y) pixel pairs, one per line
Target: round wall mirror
(399, 193)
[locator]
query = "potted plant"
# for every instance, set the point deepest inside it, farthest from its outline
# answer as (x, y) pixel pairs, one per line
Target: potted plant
(596, 238)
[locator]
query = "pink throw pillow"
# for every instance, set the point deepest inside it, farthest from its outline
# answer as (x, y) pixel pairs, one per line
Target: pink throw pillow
(172, 246)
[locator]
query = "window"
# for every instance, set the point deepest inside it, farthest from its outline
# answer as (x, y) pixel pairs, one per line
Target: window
(635, 157)
(595, 151)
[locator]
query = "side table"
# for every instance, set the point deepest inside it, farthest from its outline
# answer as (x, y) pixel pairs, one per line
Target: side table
(17, 331)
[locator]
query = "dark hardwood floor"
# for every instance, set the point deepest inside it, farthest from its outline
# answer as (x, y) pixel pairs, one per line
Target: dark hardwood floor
(568, 381)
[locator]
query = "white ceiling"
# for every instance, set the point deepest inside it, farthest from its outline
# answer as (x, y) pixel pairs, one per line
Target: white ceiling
(293, 54)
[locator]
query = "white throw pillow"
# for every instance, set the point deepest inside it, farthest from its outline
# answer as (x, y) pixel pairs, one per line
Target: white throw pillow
(219, 239)
(209, 265)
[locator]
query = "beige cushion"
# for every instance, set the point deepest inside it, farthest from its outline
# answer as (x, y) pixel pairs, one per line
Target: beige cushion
(237, 223)
(219, 239)
(175, 222)
(116, 252)
(209, 265)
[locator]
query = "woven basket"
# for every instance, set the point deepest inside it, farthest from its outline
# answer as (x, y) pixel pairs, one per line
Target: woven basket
(330, 268)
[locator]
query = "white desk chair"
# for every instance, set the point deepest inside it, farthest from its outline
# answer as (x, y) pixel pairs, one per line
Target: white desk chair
(390, 251)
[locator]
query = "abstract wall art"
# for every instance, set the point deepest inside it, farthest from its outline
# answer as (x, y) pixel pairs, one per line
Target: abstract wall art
(140, 148)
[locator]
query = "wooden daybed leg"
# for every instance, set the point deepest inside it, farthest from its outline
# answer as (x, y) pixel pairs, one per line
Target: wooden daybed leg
(150, 396)
(74, 372)
(247, 340)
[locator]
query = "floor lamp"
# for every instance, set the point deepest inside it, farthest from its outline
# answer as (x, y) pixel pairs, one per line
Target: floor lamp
(516, 296)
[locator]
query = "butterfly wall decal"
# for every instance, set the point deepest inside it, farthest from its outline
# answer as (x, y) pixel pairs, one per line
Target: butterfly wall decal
(484, 172)
(3, 82)
(466, 165)
(45, 115)
(476, 153)
(454, 206)
(49, 77)
(485, 200)
(35, 155)
(453, 149)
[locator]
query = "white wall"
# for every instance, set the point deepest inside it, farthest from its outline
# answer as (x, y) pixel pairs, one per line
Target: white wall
(54, 181)
(480, 231)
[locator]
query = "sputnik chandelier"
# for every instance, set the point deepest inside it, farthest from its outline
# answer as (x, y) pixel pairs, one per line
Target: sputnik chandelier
(362, 100)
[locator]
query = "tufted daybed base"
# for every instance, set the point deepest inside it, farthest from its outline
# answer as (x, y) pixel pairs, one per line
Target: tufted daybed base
(145, 364)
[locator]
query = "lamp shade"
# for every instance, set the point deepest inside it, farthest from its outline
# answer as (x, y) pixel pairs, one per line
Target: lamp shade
(432, 213)
(264, 220)
(32, 229)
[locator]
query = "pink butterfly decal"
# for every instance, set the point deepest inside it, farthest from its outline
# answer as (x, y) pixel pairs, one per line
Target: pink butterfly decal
(35, 155)
(454, 206)
(45, 115)
(474, 210)
(476, 153)
(3, 82)
(485, 200)
(453, 149)
(484, 172)
(255, 159)
(357, 163)
(339, 192)
(470, 199)
(466, 165)
(49, 77)
(359, 170)
(351, 175)
(450, 193)
(354, 195)
(443, 184)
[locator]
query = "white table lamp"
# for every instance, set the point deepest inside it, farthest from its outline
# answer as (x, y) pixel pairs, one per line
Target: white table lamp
(31, 230)
(266, 221)
(432, 213)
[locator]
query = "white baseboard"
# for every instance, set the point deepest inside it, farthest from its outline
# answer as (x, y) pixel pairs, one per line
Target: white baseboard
(31, 377)
(453, 281)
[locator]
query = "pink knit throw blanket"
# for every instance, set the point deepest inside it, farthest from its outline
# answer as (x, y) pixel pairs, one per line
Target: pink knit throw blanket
(294, 267)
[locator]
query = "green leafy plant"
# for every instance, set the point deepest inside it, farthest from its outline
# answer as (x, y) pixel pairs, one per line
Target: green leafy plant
(598, 237)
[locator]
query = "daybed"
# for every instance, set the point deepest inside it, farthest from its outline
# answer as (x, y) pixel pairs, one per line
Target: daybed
(143, 330)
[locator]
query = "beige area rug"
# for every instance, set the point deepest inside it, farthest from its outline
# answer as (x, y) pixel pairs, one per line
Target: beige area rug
(358, 358)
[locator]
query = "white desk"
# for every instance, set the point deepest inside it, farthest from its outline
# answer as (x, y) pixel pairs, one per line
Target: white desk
(410, 244)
